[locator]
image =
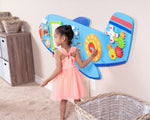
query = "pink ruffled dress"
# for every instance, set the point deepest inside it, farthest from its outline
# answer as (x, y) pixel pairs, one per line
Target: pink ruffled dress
(68, 84)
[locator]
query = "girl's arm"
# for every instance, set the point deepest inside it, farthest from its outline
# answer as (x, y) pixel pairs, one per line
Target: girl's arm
(56, 71)
(81, 63)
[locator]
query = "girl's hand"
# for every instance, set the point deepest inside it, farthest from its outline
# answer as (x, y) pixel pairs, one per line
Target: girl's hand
(45, 82)
(94, 53)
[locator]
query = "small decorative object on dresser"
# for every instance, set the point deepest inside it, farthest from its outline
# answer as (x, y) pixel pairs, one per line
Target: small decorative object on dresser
(16, 58)
(9, 23)
(12, 25)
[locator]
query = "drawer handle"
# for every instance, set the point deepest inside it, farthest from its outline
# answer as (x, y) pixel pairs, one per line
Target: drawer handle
(5, 64)
(13, 22)
(2, 40)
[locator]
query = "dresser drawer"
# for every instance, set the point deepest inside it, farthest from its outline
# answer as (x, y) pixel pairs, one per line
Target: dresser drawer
(1, 68)
(6, 71)
(4, 48)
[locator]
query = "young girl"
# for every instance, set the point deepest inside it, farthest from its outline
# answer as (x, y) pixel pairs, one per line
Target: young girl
(67, 80)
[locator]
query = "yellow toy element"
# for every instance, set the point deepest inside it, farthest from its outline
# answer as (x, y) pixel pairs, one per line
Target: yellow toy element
(112, 53)
(47, 42)
(122, 35)
(115, 38)
(92, 42)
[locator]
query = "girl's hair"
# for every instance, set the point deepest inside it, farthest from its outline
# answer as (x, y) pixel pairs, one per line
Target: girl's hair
(66, 30)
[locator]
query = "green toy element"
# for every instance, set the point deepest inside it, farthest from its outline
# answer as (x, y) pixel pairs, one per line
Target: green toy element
(120, 42)
(53, 26)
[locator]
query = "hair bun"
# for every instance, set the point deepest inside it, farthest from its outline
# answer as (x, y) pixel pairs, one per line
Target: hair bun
(69, 26)
(67, 30)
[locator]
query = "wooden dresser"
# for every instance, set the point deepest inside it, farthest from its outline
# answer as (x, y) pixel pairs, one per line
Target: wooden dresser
(16, 58)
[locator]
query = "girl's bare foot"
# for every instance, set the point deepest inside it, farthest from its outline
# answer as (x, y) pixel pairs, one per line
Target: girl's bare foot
(76, 101)
(62, 118)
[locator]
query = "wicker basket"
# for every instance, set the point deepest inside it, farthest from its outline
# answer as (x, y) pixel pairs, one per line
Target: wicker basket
(113, 106)
(5, 18)
(1, 25)
(4, 14)
(12, 25)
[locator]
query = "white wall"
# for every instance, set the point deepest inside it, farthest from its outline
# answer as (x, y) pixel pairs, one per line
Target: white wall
(132, 77)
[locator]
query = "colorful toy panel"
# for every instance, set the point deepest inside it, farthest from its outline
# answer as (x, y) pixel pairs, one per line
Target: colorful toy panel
(113, 45)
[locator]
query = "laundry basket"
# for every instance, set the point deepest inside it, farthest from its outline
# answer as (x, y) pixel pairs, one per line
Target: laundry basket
(113, 106)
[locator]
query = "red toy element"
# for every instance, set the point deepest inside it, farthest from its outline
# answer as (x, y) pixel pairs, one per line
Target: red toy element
(45, 31)
(121, 21)
(91, 45)
(119, 52)
(40, 31)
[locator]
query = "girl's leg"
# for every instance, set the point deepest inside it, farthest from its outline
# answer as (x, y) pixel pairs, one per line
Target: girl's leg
(78, 100)
(62, 109)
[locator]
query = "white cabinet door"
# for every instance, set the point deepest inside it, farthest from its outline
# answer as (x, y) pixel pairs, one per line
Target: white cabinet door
(1, 68)
(6, 71)
(0, 48)
(4, 48)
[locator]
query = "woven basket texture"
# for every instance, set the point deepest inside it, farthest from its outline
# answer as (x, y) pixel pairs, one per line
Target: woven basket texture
(113, 106)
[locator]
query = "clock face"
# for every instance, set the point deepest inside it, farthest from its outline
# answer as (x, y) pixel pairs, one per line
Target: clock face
(92, 42)
(47, 42)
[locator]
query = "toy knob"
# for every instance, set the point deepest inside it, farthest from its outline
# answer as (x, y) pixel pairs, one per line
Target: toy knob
(109, 46)
(76, 33)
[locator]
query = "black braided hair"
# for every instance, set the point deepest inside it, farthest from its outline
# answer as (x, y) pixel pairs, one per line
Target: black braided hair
(66, 30)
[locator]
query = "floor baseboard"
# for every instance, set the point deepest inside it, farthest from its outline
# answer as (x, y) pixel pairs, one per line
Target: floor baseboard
(39, 80)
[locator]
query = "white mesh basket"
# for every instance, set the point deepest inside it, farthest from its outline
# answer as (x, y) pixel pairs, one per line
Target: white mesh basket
(113, 106)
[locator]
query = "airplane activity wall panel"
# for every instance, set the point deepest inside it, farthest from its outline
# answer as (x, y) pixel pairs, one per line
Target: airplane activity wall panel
(113, 45)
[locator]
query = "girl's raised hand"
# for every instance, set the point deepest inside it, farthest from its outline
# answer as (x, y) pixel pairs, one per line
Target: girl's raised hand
(45, 82)
(94, 53)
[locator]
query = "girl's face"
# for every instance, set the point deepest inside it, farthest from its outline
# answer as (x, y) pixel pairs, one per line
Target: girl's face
(58, 39)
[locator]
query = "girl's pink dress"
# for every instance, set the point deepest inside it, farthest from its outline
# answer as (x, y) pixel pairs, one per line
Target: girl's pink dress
(68, 84)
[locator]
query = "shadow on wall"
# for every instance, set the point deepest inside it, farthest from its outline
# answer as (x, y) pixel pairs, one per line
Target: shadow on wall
(26, 28)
